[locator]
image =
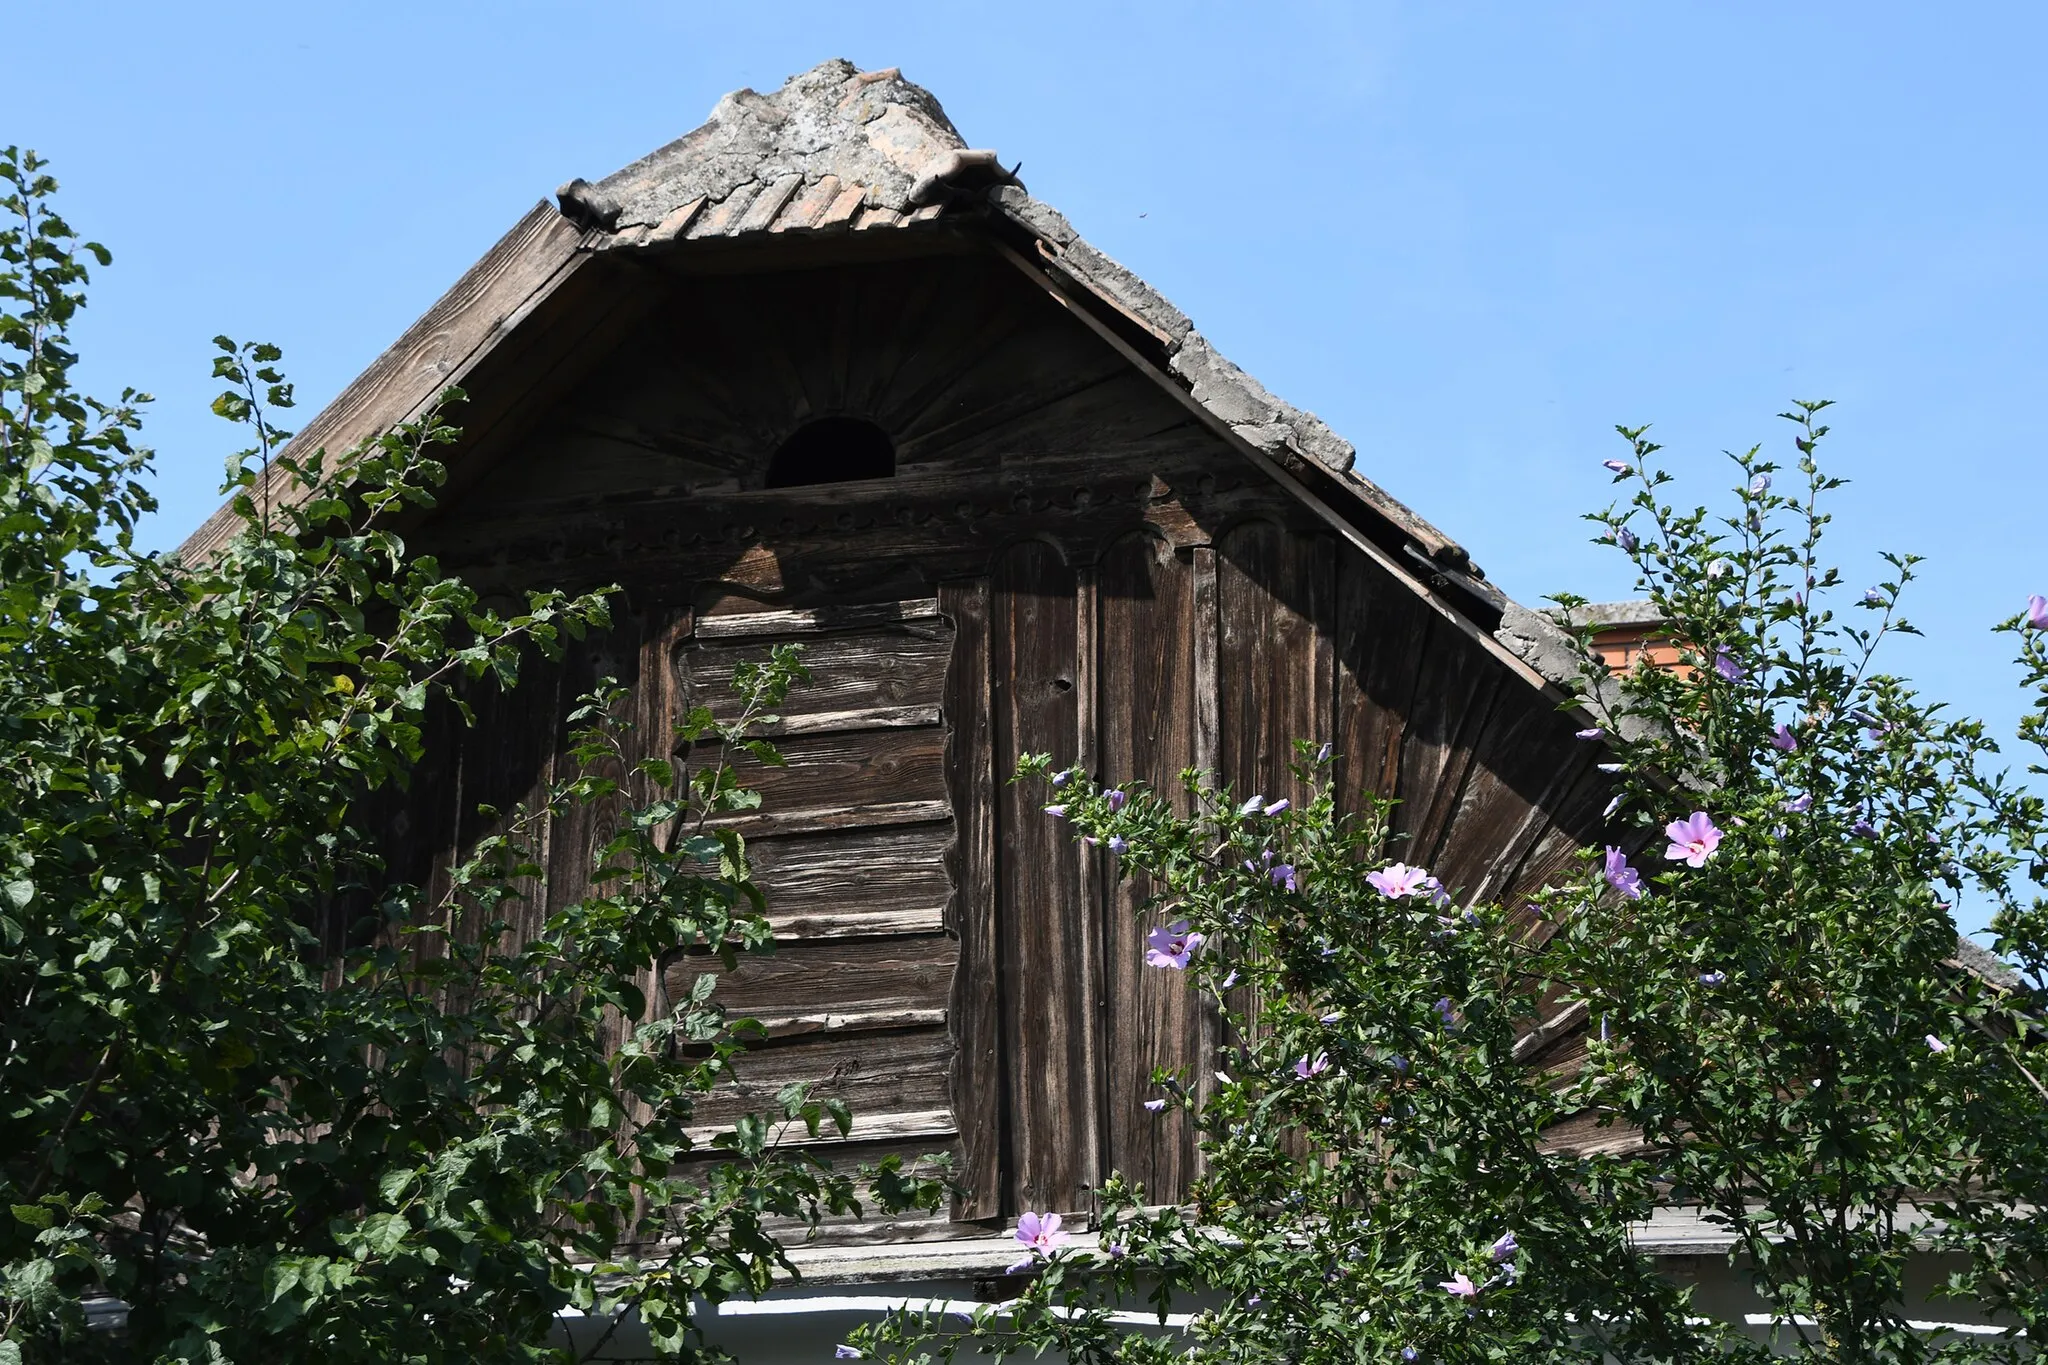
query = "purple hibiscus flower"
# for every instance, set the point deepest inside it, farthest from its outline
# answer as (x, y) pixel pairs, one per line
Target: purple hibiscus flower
(1283, 876)
(1783, 740)
(1799, 804)
(2037, 612)
(1693, 839)
(1116, 799)
(1727, 667)
(1590, 732)
(1621, 876)
(1171, 945)
(1505, 1248)
(1307, 1069)
(1618, 466)
(1460, 1286)
(1397, 881)
(1039, 1233)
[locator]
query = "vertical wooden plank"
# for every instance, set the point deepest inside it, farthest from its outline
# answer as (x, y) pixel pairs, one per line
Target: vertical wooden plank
(976, 1003)
(1382, 630)
(1047, 956)
(1454, 697)
(1521, 763)
(1208, 725)
(1146, 689)
(1207, 699)
(1275, 593)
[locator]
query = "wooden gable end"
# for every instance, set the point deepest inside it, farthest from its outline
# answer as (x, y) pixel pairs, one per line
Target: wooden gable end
(1064, 560)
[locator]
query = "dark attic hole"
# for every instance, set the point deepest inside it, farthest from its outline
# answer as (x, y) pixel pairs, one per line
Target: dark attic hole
(833, 450)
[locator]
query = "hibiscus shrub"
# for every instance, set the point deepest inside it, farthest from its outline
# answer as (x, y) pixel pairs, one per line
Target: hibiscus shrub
(1781, 1031)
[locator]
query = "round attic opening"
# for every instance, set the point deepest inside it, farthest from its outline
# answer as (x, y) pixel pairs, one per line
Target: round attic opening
(833, 450)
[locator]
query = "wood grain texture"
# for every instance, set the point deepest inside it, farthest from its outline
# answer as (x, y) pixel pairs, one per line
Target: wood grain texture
(976, 1001)
(886, 879)
(870, 767)
(829, 977)
(875, 1073)
(1275, 597)
(1049, 973)
(1145, 681)
(1380, 630)
(850, 672)
(1454, 694)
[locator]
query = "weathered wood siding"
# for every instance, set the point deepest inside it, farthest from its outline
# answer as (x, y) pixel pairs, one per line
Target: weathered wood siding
(1064, 562)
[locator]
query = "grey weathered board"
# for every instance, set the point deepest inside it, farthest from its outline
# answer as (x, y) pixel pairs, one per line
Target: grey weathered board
(1146, 734)
(1047, 959)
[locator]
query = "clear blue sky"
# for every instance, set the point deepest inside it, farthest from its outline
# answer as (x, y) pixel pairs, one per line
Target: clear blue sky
(1471, 237)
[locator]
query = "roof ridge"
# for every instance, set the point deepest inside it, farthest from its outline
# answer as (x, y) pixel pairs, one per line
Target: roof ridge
(871, 130)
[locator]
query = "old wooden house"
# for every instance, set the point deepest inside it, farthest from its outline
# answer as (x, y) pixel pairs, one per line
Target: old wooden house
(819, 372)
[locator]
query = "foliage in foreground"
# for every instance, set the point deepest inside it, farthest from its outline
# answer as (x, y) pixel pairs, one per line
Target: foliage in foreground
(1764, 960)
(413, 1144)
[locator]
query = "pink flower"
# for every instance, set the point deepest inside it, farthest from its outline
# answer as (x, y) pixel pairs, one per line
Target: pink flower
(1693, 840)
(1783, 740)
(1039, 1233)
(1171, 946)
(2037, 612)
(1460, 1286)
(1935, 1044)
(1398, 880)
(1621, 876)
(1307, 1069)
